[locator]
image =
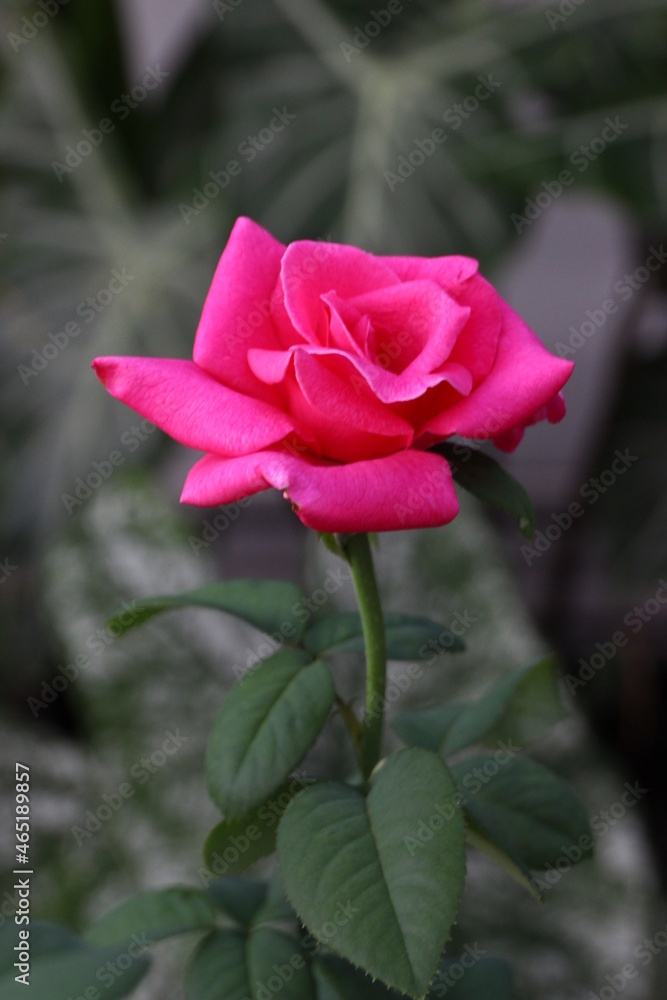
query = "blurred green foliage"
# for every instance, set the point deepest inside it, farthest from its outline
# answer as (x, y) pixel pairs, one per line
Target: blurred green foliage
(357, 110)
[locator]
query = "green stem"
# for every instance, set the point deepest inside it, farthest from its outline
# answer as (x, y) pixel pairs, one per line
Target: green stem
(358, 551)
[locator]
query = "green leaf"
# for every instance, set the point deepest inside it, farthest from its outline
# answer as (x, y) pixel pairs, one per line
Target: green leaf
(276, 907)
(527, 810)
(518, 707)
(264, 728)
(482, 476)
(338, 980)
(408, 634)
(331, 542)
(230, 965)
(426, 727)
(405, 635)
(377, 879)
(240, 898)
(234, 845)
(44, 938)
(157, 914)
(468, 977)
(62, 965)
(273, 912)
(269, 605)
(514, 867)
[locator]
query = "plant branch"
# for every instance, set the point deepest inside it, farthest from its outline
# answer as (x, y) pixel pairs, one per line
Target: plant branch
(358, 552)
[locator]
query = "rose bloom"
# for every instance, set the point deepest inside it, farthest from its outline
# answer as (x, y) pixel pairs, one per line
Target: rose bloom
(328, 373)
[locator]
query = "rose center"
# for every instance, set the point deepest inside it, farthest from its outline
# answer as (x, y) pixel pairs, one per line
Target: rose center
(390, 349)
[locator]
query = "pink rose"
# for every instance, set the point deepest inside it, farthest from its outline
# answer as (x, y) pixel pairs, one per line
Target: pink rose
(327, 373)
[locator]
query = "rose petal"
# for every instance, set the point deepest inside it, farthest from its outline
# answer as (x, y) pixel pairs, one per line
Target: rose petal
(191, 406)
(410, 384)
(556, 408)
(477, 345)
(347, 421)
(340, 334)
(416, 324)
(553, 411)
(214, 480)
(237, 311)
(404, 490)
(450, 272)
(525, 377)
(272, 367)
(310, 270)
(510, 440)
(410, 489)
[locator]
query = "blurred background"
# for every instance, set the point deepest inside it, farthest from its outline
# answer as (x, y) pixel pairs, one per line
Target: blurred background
(133, 134)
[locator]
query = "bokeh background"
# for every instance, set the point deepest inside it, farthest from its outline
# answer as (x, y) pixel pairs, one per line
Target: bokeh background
(118, 124)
